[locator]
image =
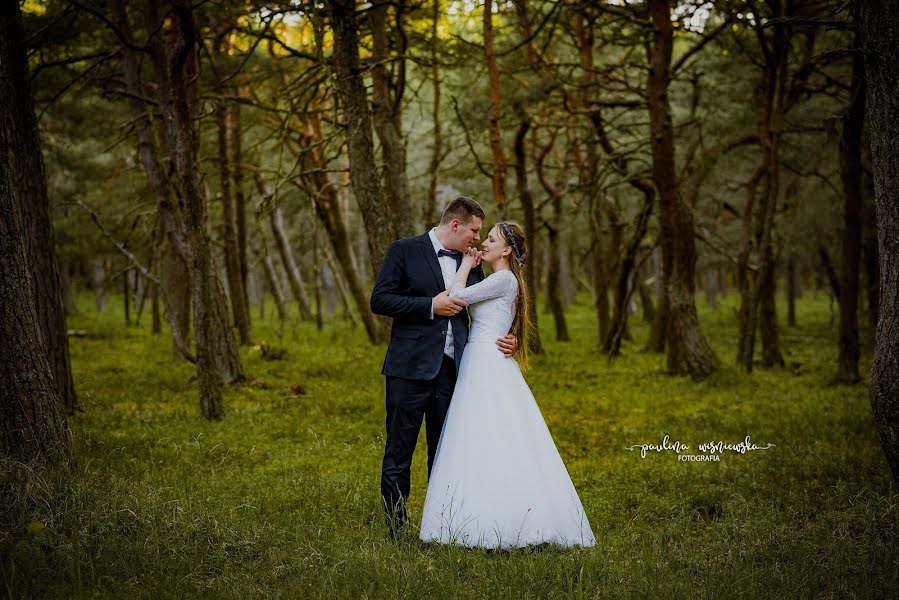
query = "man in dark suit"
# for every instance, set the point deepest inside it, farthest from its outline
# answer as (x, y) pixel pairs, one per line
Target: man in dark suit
(426, 342)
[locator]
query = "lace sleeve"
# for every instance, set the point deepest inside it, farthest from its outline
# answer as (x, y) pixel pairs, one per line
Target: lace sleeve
(495, 285)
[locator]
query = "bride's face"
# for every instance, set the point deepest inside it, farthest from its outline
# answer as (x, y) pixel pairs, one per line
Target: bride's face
(494, 247)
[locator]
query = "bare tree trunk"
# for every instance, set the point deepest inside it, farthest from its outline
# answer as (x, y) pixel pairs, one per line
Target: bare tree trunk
(218, 360)
(646, 302)
(872, 264)
(68, 291)
(30, 184)
(658, 332)
(430, 211)
(494, 115)
(126, 296)
(174, 280)
(271, 276)
(768, 327)
(600, 275)
(792, 290)
(380, 226)
(851, 174)
(386, 116)
(687, 345)
(294, 277)
(99, 281)
(32, 409)
(530, 227)
(345, 297)
(877, 22)
(235, 144)
(624, 288)
(553, 279)
(233, 272)
(324, 193)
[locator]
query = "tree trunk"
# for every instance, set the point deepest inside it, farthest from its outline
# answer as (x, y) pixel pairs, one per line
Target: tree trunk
(175, 61)
(329, 213)
(792, 290)
(493, 116)
(687, 345)
(387, 118)
(174, 280)
(30, 184)
(235, 144)
(758, 305)
(851, 174)
(624, 287)
(126, 296)
(236, 292)
(429, 214)
(878, 22)
(649, 309)
(530, 227)
(768, 327)
(294, 276)
(380, 227)
(68, 291)
(600, 274)
(553, 272)
(32, 411)
(271, 275)
(658, 331)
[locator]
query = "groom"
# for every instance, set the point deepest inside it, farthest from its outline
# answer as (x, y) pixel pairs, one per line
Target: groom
(426, 342)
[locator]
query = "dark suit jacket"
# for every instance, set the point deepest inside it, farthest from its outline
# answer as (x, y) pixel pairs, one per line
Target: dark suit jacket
(409, 278)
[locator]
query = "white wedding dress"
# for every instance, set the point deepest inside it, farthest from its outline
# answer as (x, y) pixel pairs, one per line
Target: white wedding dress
(498, 480)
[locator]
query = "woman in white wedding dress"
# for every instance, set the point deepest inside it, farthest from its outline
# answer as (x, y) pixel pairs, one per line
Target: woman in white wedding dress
(498, 480)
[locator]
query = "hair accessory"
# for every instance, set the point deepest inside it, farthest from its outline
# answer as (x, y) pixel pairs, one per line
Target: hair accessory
(522, 259)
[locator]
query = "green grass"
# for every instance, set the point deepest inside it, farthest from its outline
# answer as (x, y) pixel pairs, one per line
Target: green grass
(281, 500)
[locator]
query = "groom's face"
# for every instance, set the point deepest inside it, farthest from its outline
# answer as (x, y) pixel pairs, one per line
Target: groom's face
(466, 234)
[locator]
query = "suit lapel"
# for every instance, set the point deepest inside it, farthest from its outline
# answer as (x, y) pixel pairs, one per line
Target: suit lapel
(427, 248)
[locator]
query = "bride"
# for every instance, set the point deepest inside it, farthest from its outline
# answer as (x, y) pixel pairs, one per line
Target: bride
(498, 480)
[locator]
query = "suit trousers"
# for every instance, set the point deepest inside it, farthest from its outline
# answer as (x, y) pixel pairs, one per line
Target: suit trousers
(409, 401)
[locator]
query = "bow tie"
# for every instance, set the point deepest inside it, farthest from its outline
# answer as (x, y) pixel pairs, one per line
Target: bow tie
(451, 253)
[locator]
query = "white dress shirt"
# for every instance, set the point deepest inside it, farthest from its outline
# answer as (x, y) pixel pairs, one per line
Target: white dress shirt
(448, 267)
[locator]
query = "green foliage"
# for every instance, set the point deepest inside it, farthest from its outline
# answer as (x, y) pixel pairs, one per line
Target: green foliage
(281, 498)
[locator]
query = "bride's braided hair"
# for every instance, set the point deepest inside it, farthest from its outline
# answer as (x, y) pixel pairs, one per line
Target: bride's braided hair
(522, 326)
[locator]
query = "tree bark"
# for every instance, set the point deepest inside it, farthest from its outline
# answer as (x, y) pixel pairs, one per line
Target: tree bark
(553, 272)
(600, 274)
(380, 226)
(240, 211)
(30, 183)
(236, 292)
(429, 214)
(328, 210)
(294, 276)
(32, 412)
(878, 22)
(494, 114)
(526, 197)
(687, 346)
(624, 287)
(387, 118)
(792, 290)
(175, 62)
(851, 174)
(271, 275)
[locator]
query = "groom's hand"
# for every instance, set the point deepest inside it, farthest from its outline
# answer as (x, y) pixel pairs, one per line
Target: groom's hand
(446, 306)
(508, 345)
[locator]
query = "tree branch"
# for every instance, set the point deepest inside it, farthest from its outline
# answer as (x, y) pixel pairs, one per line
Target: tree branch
(121, 247)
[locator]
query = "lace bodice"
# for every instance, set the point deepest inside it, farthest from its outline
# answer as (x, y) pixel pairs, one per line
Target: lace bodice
(491, 305)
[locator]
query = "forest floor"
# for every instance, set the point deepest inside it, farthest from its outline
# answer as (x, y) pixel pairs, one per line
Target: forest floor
(281, 499)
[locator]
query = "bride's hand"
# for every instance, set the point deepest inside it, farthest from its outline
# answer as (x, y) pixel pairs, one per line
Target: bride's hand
(472, 258)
